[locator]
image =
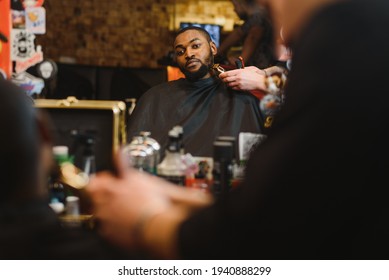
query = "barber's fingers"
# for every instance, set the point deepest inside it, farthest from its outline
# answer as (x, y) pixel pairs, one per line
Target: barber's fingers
(228, 80)
(228, 74)
(121, 164)
(102, 186)
(188, 197)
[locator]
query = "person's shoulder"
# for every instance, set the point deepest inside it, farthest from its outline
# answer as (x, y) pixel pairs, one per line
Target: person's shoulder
(164, 87)
(158, 91)
(256, 19)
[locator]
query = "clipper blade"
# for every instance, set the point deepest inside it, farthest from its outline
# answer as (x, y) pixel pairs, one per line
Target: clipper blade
(218, 69)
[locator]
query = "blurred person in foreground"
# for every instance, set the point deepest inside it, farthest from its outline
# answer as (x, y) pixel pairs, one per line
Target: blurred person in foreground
(201, 103)
(316, 188)
(29, 228)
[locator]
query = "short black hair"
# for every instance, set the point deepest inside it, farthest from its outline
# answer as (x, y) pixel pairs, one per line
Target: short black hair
(194, 27)
(19, 146)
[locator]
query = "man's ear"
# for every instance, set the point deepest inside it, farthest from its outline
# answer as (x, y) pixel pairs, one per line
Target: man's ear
(213, 48)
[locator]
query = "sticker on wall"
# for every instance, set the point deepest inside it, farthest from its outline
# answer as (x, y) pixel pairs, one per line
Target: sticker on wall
(32, 3)
(5, 37)
(18, 19)
(29, 83)
(36, 58)
(36, 20)
(22, 45)
(47, 69)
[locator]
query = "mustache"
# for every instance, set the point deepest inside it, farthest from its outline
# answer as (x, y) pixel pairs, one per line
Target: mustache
(192, 60)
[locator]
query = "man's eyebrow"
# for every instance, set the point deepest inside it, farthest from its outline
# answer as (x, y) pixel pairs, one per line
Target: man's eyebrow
(191, 41)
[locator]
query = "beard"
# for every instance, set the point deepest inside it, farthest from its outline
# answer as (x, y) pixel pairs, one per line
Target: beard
(201, 72)
(194, 76)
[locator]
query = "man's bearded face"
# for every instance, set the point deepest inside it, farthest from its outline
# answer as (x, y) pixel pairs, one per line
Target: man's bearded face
(194, 55)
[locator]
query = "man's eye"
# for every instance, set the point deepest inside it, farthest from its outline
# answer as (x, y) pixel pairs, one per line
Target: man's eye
(196, 46)
(180, 53)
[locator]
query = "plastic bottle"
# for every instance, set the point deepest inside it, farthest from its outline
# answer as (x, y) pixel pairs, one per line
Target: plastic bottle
(72, 205)
(180, 131)
(172, 167)
(237, 169)
(57, 192)
(89, 158)
(222, 168)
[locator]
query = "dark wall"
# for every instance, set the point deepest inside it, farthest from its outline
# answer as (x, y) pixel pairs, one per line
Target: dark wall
(103, 82)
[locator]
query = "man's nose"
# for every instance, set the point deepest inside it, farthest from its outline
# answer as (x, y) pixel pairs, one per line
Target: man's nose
(189, 54)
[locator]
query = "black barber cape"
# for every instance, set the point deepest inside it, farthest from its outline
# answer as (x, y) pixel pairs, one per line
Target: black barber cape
(205, 109)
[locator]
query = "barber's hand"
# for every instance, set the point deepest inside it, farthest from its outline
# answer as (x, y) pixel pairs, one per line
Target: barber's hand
(249, 78)
(121, 202)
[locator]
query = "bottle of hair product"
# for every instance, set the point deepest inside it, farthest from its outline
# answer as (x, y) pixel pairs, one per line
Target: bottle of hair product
(88, 157)
(172, 167)
(223, 154)
(180, 132)
(57, 192)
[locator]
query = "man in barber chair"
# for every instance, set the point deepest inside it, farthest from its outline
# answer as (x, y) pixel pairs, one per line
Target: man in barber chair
(201, 103)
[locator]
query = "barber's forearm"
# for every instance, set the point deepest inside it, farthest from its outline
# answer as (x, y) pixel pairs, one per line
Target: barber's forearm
(191, 199)
(159, 234)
